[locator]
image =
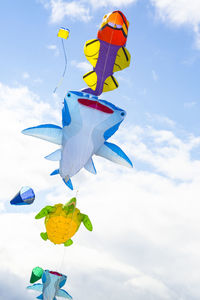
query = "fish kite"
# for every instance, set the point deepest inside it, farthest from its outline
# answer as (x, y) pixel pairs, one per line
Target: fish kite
(62, 222)
(25, 196)
(107, 54)
(87, 124)
(52, 282)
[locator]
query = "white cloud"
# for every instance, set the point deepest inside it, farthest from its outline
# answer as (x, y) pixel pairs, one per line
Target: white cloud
(79, 10)
(82, 65)
(152, 286)
(144, 220)
(38, 80)
(189, 104)
(154, 75)
(53, 48)
(167, 153)
(155, 118)
(25, 75)
(74, 10)
(2, 207)
(111, 3)
(180, 12)
(20, 108)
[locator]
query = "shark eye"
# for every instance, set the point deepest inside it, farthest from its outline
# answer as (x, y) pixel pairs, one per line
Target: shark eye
(68, 95)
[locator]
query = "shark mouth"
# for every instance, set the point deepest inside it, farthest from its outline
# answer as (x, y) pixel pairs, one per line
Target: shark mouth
(55, 273)
(95, 105)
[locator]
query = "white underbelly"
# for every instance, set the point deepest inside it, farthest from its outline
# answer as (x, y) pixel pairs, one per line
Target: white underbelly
(75, 154)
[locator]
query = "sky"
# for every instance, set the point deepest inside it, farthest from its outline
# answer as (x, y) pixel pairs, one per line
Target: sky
(145, 243)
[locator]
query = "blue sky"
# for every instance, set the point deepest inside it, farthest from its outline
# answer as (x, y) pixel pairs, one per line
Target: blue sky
(146, 220)
(162, 78)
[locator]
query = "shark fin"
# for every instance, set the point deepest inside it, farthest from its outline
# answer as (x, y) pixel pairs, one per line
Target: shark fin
(37, 287)
(89, 166)
(55, 172)
(114, 153)
(54, 156)
(49, 132)
(68, 182)
(64, 294)
(40, 297)
(123, 59)
(110, 84)
(91, 51)
(90, 79)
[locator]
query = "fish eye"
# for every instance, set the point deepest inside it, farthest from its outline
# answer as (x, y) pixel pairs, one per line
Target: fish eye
(68, 95)
(123, 114)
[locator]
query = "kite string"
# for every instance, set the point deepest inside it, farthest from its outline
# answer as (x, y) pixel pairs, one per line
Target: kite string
(62, 261)
(86, 149)
(65, 68)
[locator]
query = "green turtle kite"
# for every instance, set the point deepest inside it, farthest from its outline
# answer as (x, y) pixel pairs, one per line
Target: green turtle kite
(62, 222)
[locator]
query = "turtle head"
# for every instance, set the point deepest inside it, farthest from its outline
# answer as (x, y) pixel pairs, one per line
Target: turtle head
(70, 206)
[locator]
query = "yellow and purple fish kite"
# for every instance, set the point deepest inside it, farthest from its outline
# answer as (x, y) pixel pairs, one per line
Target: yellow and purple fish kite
(107, 54)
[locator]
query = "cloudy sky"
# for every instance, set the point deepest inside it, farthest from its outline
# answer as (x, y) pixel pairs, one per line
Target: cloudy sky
(146, 239)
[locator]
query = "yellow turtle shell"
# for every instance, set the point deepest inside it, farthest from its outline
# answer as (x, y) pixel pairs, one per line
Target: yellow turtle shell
(61, 226)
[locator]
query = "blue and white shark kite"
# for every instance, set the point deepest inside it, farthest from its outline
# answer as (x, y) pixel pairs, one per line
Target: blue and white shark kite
(88, 123)
(52, 282)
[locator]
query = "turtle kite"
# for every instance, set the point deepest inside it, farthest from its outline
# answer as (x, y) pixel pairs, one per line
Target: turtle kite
(62, 222)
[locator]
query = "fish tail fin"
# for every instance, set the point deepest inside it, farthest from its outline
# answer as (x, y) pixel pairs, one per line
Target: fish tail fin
(110, 84)
(90, 79)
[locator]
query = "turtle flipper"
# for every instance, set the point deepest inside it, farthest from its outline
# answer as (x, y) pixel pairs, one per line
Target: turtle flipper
(68, 243)
(45, 211)
(44, 236)
(87, 223)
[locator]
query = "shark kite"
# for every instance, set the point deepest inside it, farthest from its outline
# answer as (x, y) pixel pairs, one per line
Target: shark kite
(87, 124)
(52, 282)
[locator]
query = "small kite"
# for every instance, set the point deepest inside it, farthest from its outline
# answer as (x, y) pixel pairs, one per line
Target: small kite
(63, 33)
(62, 222)
(25, 196)
(52, 282)
(87, 125)
(107, 54)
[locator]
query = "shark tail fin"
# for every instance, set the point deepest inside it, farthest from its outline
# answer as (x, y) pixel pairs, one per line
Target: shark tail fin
(40, 297)
(68, 182)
